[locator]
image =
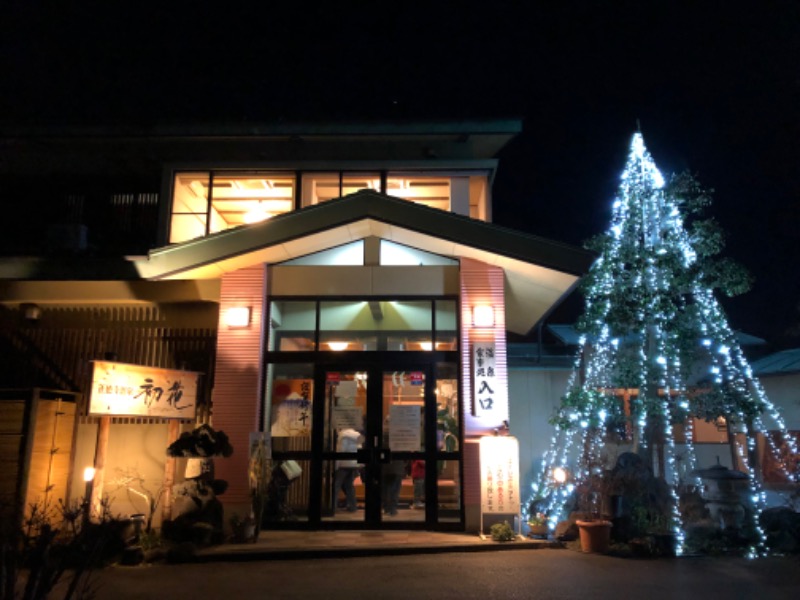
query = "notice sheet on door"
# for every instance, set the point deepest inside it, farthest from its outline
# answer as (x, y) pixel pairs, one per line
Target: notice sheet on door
(404, 427)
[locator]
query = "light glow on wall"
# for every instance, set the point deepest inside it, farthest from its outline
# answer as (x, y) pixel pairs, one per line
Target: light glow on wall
(237, 317)
(482, 315)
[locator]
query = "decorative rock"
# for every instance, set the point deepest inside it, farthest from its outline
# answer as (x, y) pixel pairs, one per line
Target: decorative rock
(566, 531)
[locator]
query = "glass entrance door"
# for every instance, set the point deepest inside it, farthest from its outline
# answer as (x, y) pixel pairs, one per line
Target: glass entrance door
(403, 459)
(346, 447)
(385, 449)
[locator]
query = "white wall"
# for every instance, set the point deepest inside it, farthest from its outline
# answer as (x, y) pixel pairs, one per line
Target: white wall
(134, 450)
(784, 392)
(534, 396)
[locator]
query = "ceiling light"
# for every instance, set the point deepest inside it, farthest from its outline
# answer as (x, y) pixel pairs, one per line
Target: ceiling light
(256, 215)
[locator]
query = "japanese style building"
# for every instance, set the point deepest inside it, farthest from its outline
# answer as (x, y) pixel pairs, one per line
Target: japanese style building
(289, 281)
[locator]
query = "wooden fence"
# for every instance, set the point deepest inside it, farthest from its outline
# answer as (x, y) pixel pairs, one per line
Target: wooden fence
(56, 351)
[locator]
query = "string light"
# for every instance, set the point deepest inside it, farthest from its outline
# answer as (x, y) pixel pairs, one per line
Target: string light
(649, 314)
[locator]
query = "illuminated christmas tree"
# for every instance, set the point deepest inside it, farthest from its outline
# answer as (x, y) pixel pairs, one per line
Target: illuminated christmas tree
(656, 349)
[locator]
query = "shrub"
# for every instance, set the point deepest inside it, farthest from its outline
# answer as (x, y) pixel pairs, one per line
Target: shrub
(503, 532)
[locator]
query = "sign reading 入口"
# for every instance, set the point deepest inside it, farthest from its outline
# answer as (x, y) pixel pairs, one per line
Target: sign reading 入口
(121, 389)
(484, 378)
(499, 475)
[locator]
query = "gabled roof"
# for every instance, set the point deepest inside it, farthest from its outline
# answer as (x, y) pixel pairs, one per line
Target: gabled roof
(780, 363)
(539, 272)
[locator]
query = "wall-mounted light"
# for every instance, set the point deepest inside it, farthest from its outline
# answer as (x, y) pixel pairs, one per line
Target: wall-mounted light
(426, 346)
(483, 315)
(237, 317)
(337, 346)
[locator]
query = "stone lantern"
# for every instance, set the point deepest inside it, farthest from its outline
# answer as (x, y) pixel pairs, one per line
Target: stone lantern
(721, 492)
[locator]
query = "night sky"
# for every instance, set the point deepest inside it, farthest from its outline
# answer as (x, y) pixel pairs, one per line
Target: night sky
(715, 86)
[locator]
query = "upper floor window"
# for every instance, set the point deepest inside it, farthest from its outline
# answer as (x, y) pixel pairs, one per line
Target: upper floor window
(321, 187)
(206, 202)
(430, 191)
(463, 194)
(209, 202)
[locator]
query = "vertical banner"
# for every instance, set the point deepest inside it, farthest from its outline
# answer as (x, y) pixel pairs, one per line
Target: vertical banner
(499, 475)
(484, 379)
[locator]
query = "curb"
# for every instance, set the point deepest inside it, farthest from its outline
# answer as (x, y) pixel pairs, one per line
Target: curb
(253, 554)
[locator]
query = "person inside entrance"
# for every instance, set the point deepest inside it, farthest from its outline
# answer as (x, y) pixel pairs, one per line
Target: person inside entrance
(349, 440)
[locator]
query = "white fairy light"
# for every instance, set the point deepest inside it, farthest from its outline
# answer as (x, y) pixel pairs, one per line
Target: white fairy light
(645, 245)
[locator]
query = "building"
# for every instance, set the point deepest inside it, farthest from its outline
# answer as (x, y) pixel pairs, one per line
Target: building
(779, 374)
(540, 372)
(303, 278)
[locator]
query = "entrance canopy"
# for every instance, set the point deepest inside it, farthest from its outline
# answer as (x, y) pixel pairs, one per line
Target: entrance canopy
(538, 272)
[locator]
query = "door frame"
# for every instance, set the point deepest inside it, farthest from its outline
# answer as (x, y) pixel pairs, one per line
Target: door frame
(373, 453)
(374, 363)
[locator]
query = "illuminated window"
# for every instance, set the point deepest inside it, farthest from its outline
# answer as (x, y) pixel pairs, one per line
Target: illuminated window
(462, 194)
(292, 326)
(205, 203)
(430, 191)
(465, 194)
(366, 325)
(321, 187)
(398, 254)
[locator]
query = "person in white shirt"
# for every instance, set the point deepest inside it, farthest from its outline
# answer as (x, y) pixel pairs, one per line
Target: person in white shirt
(349, 440)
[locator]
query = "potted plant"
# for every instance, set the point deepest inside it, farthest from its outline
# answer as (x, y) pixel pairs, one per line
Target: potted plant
(243, 529)
(537, 524)
(593, 527)
(595, 535)
(203, 523)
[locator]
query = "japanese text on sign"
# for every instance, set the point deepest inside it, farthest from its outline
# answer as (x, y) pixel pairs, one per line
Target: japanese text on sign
(484, 379)
(135, 390)
(499, 475)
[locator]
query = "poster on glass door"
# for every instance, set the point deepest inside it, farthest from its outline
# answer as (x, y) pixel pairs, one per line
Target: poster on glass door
(291, 408)
(404, 427)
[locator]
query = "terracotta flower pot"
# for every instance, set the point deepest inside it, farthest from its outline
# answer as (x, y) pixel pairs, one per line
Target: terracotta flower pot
(538, 530)
(595, 536)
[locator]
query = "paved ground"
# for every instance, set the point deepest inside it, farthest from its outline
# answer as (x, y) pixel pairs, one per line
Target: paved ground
(541, 574)
(347, 543)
